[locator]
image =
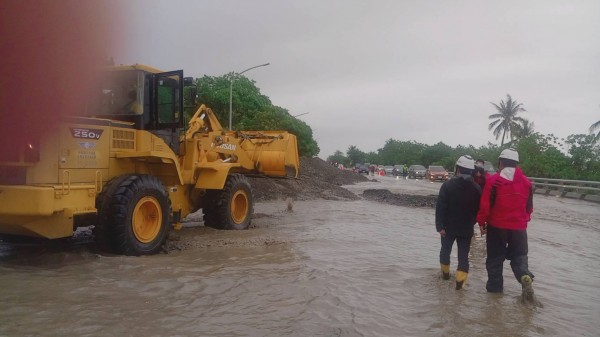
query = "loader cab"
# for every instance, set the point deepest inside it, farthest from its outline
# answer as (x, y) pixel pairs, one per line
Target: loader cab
(149, 99)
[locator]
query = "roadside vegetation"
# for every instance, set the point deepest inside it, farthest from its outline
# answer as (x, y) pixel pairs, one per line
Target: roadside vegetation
(544, 156)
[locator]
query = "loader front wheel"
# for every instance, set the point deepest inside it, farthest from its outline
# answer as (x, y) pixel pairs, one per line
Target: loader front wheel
(135, 215)
(147, 219)
(230, 208)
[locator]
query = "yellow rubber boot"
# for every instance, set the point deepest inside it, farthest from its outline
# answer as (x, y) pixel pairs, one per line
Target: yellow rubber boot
(445, 271)
(527, 295)
(461, 279)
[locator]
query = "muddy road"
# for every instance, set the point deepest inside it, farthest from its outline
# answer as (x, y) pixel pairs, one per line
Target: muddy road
(328, 268)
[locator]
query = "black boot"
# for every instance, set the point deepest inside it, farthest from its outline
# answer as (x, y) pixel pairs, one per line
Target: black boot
(445, 271)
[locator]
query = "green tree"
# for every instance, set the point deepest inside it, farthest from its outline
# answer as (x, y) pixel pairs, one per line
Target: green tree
(539, 157)
(585, 154)
(489, 152)
(523, 129)
(373, 158)
(391, 152)
(506, 119)
(277, 118)
(437, 154)
(401, 152)
(338, 157)
(307, 145)
(355, 155)
(252, 110)
(213, 91)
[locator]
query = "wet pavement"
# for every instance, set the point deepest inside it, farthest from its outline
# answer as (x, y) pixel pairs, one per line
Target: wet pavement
(329, 268)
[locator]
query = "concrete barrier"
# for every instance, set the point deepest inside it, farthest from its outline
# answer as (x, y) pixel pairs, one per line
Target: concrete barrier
(591, 197)
(576, 189)
(555, 193)
(574, 195)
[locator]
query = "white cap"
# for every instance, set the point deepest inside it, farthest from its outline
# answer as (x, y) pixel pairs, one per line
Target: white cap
(466, 161)
(510, 154)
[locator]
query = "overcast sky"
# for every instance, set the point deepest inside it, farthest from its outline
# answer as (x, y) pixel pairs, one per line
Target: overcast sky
(368, 71)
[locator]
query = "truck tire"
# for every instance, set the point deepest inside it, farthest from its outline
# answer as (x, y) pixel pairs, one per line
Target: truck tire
(230, 208)
(133, 215)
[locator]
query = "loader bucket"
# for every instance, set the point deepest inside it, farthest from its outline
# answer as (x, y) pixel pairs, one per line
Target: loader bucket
(274, 152)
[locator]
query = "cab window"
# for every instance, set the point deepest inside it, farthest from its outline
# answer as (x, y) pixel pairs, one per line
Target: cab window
(168, 99)
(118, 93)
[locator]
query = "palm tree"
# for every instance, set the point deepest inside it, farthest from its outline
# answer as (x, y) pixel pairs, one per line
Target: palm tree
(506, 120)
(594, 127)
(523, 130)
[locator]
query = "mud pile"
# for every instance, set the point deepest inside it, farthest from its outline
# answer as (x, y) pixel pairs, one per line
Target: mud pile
(317, 180)
(400, 199)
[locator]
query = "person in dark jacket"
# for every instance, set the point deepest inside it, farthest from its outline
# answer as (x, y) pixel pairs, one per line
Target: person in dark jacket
(505, 209)
(455, 212)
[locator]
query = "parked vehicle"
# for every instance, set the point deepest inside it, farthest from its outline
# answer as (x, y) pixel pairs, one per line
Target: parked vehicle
(437, 173)
(362, 168)
(416, 171)
(388, 170)
(399, 169)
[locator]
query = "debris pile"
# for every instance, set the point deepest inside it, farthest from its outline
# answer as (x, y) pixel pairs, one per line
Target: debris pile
(317, 180)
(411, 200)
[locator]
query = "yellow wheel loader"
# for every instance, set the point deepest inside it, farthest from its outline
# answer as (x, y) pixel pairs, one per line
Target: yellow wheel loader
(129, 168)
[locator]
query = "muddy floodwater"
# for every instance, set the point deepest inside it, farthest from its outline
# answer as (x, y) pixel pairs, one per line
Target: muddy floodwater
(329, 268)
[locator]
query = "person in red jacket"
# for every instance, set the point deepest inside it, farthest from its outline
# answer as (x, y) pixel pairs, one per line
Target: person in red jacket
(504, 211)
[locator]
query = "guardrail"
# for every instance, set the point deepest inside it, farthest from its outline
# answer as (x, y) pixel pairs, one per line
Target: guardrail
(577, 189)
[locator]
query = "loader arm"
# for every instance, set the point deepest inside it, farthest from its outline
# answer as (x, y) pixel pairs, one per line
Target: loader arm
(273, 153)
(203, 120)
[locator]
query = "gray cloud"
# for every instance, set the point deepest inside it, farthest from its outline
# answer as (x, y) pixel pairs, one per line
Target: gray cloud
(370, 71)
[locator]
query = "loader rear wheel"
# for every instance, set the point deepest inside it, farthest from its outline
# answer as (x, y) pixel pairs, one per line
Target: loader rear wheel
(134, 215)
(230, 208)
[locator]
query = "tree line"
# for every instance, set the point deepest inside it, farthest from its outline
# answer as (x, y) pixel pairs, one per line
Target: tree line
(544, 156)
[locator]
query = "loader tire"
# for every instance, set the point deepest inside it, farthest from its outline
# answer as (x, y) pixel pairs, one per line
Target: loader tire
(102, 231)
(230, 208)
(134, 215)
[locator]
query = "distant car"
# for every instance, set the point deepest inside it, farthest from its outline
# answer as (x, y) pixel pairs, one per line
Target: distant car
(362, 168)
(388, 170)
(437, 173)
(416, 171)
(399, 169)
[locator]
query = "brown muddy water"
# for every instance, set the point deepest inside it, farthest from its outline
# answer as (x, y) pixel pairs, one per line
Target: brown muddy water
(329, 268)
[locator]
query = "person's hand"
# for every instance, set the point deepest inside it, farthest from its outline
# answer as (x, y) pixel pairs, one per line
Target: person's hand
(443, 233)
(482, 229)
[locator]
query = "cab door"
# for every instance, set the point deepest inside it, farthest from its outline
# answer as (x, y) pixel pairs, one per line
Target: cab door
(166, 96)
(166, 107)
